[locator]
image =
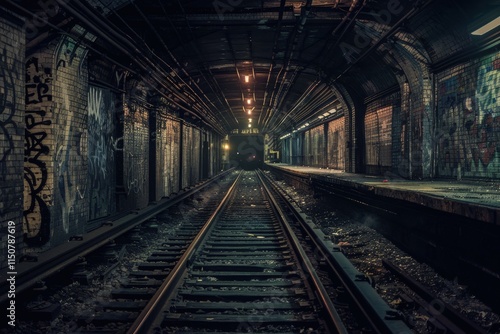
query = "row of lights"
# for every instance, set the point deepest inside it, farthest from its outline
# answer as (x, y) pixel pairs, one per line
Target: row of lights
(328, 113)
(322, 116)
(249, 102)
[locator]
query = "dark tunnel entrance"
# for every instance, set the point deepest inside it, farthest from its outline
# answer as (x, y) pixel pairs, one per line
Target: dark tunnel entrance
(246, 151)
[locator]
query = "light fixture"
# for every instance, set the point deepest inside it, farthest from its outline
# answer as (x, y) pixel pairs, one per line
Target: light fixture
(487, 27)
(285, 136)
(249, 111)
(321, 116)
(250, 120)
(249, 125)
(247, 78)
(249, 101)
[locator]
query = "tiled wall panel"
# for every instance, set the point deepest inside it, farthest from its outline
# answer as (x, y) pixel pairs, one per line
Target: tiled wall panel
(468, 120)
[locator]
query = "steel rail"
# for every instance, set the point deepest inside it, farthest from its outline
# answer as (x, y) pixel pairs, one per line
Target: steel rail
(381, 317)
(153, 308)
(333, 317)
(443, 312)
(60, 257)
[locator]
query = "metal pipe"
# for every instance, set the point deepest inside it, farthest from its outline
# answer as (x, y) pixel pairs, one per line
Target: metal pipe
(137, 57)
(273, 57)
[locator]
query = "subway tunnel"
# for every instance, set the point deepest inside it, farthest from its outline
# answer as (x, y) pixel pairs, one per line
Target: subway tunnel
(108, 107)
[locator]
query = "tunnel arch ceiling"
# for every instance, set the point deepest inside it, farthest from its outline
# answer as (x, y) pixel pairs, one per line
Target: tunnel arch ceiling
(297, 54)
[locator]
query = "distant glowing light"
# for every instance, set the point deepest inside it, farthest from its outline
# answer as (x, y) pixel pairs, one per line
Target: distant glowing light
(247, 78)
(249, 125)
(249, 112)
(249, 101)
(250, 120)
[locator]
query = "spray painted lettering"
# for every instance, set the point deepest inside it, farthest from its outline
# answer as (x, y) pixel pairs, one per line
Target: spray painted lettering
(36, 154)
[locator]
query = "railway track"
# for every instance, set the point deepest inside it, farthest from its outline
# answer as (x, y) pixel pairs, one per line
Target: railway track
(246, 271)
(238, 275)
(248, 262)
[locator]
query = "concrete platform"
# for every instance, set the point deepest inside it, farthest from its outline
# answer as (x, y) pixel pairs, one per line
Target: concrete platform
(478, 200)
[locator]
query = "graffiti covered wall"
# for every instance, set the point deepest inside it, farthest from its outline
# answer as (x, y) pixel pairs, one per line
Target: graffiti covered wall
(55, 168)
(11, 131)
(70, 210)
(468, 120)
(101, 153)
(38, 149)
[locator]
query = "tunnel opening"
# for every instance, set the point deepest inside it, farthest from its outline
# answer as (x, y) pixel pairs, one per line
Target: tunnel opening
(246, 151)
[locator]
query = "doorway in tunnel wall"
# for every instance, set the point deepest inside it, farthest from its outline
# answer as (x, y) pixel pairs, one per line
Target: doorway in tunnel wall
(246, 151)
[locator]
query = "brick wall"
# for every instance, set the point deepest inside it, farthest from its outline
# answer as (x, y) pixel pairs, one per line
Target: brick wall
(468, 120)
(190, 156)
(167, 148)
(351, 136)
(215, 143)
(55, 192)
(314, 143)
(39, 148)
(136, 148)
(378, 140)
(12, 41)
(336, 143)
(69, 135)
